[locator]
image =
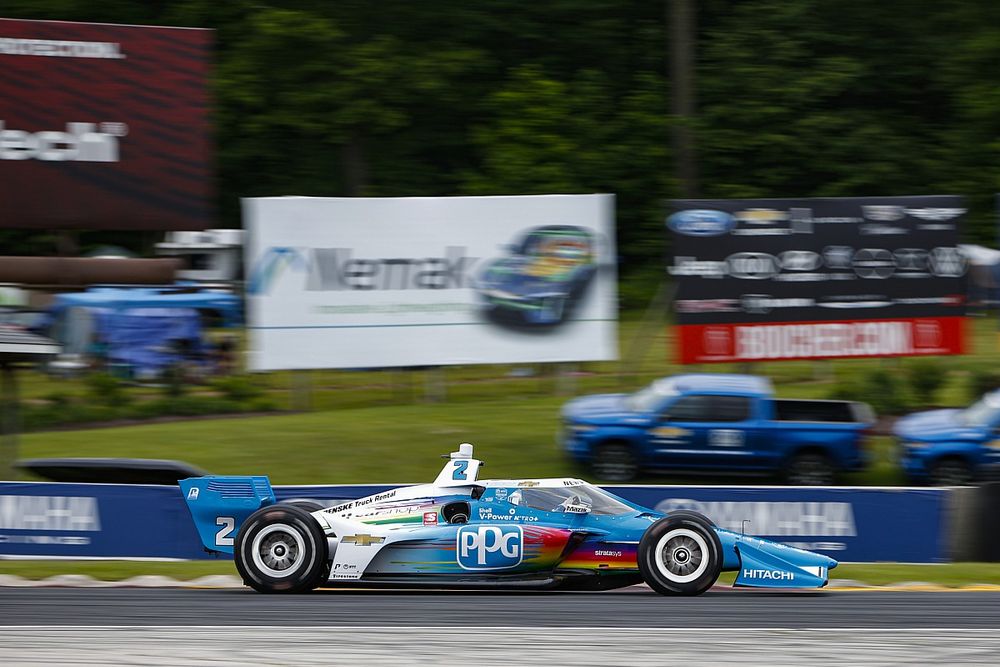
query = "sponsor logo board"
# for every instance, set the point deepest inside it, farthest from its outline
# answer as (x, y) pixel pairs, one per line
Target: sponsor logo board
(846, 260)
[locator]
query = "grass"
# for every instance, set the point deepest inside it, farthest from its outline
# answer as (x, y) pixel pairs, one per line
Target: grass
(875, 574)
(400, 443)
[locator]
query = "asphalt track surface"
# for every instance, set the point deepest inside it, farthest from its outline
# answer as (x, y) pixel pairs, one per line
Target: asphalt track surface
(635, 627)
(630, 608)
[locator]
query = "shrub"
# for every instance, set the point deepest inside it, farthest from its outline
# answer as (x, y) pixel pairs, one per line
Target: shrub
(59, 399)
(173, 381)
(104, 389)
(926, 379)
(238, 388)
(981, 381)
(880, 388)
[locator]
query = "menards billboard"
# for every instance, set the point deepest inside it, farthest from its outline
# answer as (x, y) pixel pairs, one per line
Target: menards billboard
(767, 279)
(104, 126)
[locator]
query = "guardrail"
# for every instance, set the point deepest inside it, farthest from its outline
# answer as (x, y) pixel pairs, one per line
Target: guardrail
(853, 524)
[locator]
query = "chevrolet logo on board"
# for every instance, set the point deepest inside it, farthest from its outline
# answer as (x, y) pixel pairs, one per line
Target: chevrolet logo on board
(363, 540)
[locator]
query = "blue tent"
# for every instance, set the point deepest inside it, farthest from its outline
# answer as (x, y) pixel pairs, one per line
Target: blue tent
(142, 329)
(126, 298)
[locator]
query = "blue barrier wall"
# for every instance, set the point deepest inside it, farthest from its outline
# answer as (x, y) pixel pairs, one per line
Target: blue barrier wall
(132, 521)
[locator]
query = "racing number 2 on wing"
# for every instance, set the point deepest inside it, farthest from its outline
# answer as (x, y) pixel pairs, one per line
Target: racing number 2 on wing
(460, 472)
(224, 538)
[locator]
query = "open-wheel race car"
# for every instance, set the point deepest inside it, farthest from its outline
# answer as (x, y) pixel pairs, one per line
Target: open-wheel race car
(462, 532)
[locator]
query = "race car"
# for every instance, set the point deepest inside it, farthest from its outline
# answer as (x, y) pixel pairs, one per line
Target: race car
(462, 532)
(544, 276)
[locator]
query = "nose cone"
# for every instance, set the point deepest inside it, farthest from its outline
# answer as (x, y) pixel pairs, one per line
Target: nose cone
(831, 563)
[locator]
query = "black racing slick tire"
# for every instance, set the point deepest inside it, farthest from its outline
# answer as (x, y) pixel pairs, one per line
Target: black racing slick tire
(304, 503)
(281, 549)
(680, 554)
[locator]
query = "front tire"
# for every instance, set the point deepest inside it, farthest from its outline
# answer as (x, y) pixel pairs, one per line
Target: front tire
(281, 549)
(615, 462)
(680, 555)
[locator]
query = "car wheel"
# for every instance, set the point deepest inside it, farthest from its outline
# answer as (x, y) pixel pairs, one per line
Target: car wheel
(281, 549)
(304, 503)
(810, 469)
(950, 472)
(615, 462)
(680, 555)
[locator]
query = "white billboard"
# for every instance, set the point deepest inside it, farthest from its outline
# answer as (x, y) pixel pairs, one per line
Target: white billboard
(426, 281)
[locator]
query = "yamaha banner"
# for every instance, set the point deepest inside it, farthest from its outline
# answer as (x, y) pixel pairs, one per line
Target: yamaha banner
(104, 126)
(768, 279)
(152, 522)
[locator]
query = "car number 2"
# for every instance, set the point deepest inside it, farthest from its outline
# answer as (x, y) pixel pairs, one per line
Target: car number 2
(460, 472)
(224, 538)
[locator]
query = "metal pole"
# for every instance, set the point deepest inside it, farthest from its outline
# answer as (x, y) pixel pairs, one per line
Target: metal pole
(9, 426)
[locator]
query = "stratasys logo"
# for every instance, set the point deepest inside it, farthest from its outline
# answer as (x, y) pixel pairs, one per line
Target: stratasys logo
(332, 269)
(81, 142)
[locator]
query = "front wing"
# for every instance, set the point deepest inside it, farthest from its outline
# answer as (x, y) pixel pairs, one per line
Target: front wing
(765, 564)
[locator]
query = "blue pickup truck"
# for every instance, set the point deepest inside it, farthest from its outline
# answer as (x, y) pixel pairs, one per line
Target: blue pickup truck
(952, 447)
(715, 423)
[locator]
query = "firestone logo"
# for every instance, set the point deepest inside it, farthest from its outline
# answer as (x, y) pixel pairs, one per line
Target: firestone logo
(81, 142)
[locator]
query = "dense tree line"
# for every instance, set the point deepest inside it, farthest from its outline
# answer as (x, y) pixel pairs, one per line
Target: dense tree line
(394, 97)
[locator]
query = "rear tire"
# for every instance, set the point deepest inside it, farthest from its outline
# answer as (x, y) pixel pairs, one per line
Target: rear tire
(615, 462)
(680, 555)
(951, 471)
(810, 469)
(281, 549)
(304, 503)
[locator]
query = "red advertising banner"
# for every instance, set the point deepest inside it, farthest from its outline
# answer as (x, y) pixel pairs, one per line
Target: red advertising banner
(104, 126)
(774, 341)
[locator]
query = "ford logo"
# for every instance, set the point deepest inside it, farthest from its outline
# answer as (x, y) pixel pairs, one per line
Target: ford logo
(701, 222)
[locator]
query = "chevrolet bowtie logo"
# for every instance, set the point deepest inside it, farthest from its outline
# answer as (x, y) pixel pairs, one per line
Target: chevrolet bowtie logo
(363, 540)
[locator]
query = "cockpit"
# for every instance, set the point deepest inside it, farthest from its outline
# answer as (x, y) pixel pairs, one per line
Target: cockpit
(582, 498)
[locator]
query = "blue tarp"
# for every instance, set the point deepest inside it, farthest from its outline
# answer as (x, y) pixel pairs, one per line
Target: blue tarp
(142, 329)
(121, 298)
(144, 338)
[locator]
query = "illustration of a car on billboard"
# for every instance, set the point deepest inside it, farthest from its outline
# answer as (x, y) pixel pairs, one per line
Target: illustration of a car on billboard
(543, 277)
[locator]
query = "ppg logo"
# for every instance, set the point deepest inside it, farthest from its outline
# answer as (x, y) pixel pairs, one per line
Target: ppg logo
(489, 547)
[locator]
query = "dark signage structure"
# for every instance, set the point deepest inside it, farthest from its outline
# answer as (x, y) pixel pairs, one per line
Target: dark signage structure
(768, 279)
(104, 126)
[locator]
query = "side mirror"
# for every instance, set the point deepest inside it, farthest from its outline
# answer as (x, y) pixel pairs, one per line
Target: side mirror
(576, 506)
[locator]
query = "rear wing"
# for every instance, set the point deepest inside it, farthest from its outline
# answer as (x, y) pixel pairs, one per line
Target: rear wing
(219, 506)
(461, 469)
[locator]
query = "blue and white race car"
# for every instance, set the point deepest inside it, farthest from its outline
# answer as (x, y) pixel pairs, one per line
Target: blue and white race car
(462, 532)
